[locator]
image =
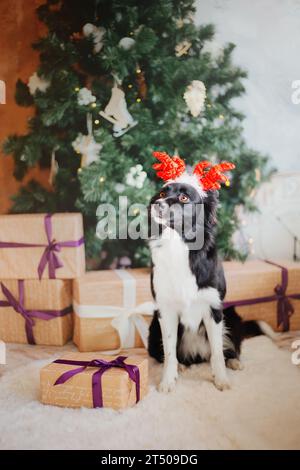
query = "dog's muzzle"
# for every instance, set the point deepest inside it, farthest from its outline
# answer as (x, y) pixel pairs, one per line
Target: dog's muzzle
(160, 209)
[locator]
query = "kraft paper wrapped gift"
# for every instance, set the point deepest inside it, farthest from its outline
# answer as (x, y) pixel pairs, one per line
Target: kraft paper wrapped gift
(36, 312)
(112, 309)
(94, 381)
(265, 290)
(34, 246)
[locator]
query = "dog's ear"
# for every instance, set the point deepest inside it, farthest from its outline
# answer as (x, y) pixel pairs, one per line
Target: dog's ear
(210, 207)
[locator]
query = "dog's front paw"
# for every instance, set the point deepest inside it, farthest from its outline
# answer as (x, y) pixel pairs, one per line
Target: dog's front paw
(168, 383)
(222, 383)
(167, 386)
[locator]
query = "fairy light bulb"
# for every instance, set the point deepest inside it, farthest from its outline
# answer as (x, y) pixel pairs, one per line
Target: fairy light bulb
(96, 121)
(93, 105)
(138, 70)
(77, 88)
(138, 100)
(227, 183)
(129, 86)
(101, 179)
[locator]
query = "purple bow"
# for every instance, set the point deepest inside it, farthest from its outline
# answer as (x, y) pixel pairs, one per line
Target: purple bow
(49, 256)
(285, 308)
(28, 315)
(102, 366)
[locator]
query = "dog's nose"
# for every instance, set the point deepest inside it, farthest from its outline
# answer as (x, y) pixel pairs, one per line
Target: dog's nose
(161, 207)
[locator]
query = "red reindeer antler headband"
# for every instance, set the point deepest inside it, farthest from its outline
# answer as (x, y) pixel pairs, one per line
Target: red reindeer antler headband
(169, 168)
(208, 175)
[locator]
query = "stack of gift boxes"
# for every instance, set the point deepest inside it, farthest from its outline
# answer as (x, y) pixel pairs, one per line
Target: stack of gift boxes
(39, 257)
(44, 292)
(47, 298)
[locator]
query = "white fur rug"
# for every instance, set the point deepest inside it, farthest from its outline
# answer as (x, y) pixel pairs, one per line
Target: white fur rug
(261, 411)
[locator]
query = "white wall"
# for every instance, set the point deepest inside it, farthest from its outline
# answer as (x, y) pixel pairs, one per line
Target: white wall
(267, 36)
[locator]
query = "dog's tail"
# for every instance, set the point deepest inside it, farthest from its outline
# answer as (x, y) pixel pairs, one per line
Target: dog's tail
(256, 328)
(248, 328)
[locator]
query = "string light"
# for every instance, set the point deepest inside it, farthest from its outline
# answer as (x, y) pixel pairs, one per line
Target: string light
(93, 105)
(77, 88)
(227, 183)
(96, 121)
(129, 86)
(136, 211)
(79, 170)
(221, 116)
(138, 70)
(138, 100)
(208, 105)
(131, 33)
(101, 179)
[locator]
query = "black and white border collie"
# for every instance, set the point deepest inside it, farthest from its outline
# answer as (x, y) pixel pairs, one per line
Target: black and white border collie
(188, 285)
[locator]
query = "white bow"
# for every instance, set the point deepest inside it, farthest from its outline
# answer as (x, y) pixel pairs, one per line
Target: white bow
(131, 319)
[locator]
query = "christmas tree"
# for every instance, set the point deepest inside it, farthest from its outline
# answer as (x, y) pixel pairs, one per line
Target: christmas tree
(116, 81)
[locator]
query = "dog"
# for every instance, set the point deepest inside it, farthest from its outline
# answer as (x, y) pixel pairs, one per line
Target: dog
(189, 325)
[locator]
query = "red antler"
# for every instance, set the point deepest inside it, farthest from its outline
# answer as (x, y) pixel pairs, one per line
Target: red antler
(210, 179)
(169, 168)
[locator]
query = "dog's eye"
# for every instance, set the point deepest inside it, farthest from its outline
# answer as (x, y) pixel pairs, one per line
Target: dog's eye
(183, 198)
(162, 194)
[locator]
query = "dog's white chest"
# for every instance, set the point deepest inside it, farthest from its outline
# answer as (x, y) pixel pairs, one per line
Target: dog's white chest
(174, 283)
(173, 280)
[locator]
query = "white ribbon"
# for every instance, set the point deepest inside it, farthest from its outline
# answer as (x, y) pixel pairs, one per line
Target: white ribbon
(124, 319)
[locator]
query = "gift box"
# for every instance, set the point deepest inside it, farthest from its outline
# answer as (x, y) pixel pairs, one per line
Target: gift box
(33, 246)
(92, 380)
(36, 312)
(112, 309)
(265, 290)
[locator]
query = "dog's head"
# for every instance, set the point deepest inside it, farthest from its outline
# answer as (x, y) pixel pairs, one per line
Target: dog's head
(187, 202)
(186, 209)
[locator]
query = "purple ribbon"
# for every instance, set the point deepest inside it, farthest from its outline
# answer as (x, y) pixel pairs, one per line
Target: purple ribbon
(28, 315)
(102, 366)
(50, 254)
(285, 308)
